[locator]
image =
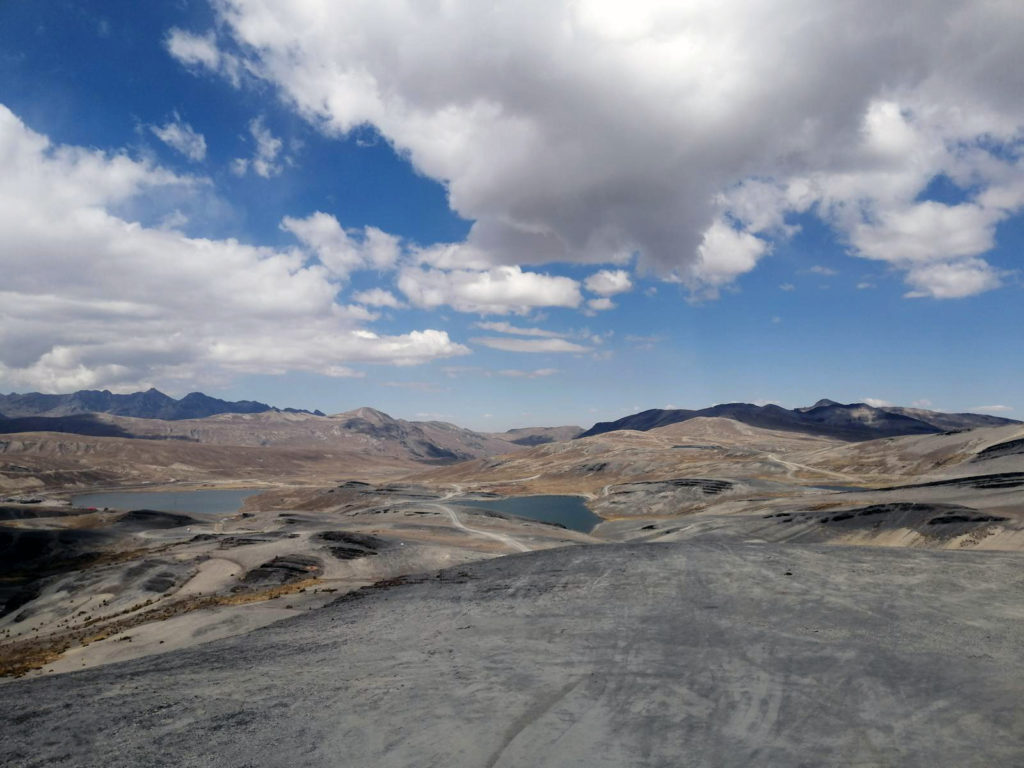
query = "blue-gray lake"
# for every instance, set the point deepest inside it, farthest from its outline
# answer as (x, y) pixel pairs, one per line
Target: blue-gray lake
(203, 502)
(564, 510)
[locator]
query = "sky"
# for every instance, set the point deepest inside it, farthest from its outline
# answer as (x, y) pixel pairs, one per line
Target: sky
(512, 214)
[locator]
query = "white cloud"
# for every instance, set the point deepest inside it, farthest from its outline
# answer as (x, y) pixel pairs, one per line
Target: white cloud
(927, 231)
(818, 269)
(92, 299)
(200, 52)
(344, 251)
(190, 49)
(723, 255)
(992, 408)
(503, 327)
(529, 345)
(499, 290)
(264, 159)
(377, 297)
(537, 373)
(268, 147)
(455, 371)
(592, 132)
(182, 137)
(952, 280)
(788, 287)
(874, 402)
(608, 282)
(875, 203)
(600, 305)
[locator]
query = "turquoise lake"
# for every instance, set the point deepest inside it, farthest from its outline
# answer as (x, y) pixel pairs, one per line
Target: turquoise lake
(563, 510)
(201, 502)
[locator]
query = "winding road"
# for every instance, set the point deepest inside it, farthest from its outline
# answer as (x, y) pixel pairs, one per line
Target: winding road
(502, 537)
(792, 466)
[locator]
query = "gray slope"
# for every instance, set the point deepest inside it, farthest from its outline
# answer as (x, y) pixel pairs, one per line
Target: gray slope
(697, 653)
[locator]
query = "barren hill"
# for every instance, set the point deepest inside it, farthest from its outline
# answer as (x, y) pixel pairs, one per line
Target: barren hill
(268, 446)
(719, 653)
(827, 418)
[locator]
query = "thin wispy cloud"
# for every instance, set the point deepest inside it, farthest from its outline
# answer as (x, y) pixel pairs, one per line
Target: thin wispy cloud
(602, 304)
(377, 297)
(265, 158)
(529, 345)
(537, 373)
(992, 408)
(503, 327)
(183, 138)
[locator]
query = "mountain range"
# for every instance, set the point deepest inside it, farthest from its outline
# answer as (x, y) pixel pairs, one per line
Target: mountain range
(151, 404)
(141, 414)
(852, 421)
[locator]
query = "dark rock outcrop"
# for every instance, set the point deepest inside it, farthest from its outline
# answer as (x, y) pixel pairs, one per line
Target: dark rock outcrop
(284, 569)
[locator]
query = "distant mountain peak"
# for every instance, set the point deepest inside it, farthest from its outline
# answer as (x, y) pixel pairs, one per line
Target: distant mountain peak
(151, 404)
(369, 414)
(827, 418)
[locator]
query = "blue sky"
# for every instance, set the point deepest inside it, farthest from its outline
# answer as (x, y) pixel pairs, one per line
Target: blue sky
(533, 213)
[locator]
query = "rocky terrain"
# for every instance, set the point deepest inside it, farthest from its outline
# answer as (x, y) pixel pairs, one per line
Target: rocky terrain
(35, 463)
(749, 596)
(704, 653)
(86, 587)
(250, 448)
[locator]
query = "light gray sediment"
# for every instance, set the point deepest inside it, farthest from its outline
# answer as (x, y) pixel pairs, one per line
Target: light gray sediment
(698, 653)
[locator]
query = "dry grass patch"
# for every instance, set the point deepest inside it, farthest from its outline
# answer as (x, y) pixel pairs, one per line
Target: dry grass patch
(19, 658)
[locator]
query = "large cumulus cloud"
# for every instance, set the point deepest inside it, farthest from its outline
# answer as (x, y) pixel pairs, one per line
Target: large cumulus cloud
(596, 131)
(89, 298)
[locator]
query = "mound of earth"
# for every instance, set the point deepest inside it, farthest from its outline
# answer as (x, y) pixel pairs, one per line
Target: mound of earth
(284, 569)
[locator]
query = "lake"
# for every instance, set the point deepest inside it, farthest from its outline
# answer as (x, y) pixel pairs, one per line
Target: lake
(202, 502)
(564, 510)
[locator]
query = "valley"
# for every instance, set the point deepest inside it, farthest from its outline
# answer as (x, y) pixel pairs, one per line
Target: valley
(360, 521)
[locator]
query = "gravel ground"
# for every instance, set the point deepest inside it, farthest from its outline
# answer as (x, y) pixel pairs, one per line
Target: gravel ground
(694, 653)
